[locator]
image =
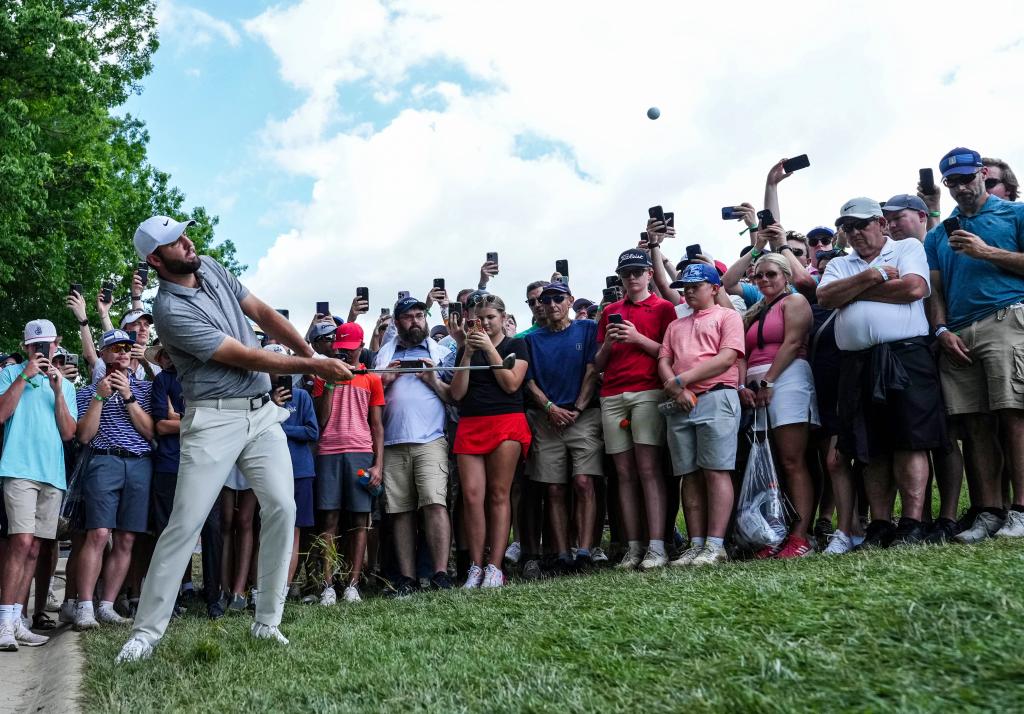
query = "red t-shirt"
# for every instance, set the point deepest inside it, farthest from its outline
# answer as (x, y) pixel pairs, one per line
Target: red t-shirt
(630, 369)
(348, 428)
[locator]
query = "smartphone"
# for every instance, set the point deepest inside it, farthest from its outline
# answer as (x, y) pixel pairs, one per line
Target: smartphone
(41, 348)
(729, 213)
(562, 268)
(655, 213)
(133, 336)
(284, 381)
(323, 308)
(670, 219)
(143, 271)
(927, 179)
(438, 283)
(455, 308)
(692, 251)
(403, 294)
(385, 311)
(283, 313)
(951, 224)
(470, 324)
(609, 295)
(75, 288)
(765, 218)
(796, 163)
(72, 360)
(108, 293)
(612, 281)
(615, 319)
(410, 363)
(492, 258)
(363, 294)
(644, 237)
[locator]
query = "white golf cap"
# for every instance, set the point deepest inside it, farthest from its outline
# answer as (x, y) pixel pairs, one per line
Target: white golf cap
(40, 331)
(133, 315)
(860, 208)
(157, 231)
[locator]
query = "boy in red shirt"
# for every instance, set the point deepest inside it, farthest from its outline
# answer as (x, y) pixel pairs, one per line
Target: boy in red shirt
(698, 363)
(351, 440)
(630, 333)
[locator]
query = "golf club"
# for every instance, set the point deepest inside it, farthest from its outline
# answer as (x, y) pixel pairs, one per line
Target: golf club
(507, 363)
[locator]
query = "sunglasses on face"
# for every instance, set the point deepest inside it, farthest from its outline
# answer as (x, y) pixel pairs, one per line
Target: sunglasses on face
(815, 242)
(766, 275)
(122, 348)
(548, 299)
(991, 183)
(325, 338)
(858, 224)
(798, 252)
(533, 302)
(631, 273)
(958, 180)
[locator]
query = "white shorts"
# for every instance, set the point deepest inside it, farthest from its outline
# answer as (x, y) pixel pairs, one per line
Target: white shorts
(793, 398)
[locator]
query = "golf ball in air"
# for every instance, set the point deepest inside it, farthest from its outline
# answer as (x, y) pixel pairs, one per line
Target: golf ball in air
(653, 113)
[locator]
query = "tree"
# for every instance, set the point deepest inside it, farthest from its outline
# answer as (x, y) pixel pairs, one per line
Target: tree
(76, 179)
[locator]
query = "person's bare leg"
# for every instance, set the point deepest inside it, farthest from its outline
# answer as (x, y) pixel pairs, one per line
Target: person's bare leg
(949, 475)
(910, 471)
(501, 469)
(985, 458)
(648, 461)
(227, 532)
(791, 443)
(585, 510)
(558, 516)
(19, 567)
(356, 544)
(329, 544)
(403, 533)
(438, 529)
(838, 467)
(720, 500)
(880, 489)
(71, 566)
(474, 490)
(1013, 425)
(694, 501)
(45, 565)
(90, 562)
(115, 568)
(600, 509)
(514, 497)
(629, 494)
(245, 537)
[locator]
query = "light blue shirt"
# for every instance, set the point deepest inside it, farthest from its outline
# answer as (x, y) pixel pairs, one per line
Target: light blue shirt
(414, 414)
(32, 445)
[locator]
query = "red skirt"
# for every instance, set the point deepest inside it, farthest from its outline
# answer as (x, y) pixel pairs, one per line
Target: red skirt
(481, 435)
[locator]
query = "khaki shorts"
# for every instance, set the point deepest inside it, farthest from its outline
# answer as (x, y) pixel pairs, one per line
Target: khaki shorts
(416, 475)
(32, 507)
(551, 450)
(995, 378)
(646, 425)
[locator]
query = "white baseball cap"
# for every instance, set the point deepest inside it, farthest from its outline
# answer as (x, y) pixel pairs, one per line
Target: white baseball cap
(133, 315)
(157, 231)
(860, 207)
(40, 331)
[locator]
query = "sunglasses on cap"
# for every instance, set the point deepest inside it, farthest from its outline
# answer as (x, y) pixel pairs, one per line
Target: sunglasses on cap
(857, 224)
(548, 299)
(958, 180)
(768, 274)
(815, 242)
(631, 273)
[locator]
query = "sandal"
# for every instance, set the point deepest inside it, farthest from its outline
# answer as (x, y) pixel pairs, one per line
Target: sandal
(42, 621)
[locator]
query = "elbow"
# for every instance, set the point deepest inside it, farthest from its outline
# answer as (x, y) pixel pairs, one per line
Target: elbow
(825, 299)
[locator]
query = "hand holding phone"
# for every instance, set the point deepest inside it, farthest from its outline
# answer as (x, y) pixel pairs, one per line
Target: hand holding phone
(363, 294)
(108, 293)
(951, 224)
(323, 308)
(438, 283)
(796, 163)
(655, 213)
(614, 319)
(765, 219)
(927, 181)
(76, 288)
(562, 268)
(692, 251)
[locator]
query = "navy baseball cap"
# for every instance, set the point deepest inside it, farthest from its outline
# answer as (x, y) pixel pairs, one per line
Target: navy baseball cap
(633, 258)
(408, 303)
(697, 273)
(821, 230)
(960, 161)
(560, 288)
(904, 200)
(582, 304)
(115, 337)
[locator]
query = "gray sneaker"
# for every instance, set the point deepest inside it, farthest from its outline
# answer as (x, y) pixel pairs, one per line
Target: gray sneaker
(532, 570)
(985, 526)
(1013, 527)
(237, 603)
(134, 650)
(84, 617)
(8, 642)
(27, 637)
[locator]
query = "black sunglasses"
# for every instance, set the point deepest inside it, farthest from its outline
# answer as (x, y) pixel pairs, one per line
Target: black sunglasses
(631, 272)
(958, 180)
(815, 242)
(798, 252)
(548, 299)
(857, 224)
(992, 183)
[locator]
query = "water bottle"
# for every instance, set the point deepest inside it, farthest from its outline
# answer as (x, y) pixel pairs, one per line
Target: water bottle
(364, 481)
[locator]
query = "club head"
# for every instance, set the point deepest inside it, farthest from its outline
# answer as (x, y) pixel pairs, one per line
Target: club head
(509, 362)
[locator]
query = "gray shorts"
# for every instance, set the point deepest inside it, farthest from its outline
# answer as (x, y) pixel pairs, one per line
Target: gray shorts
(706, 437)
(337, 485)
(116, 493)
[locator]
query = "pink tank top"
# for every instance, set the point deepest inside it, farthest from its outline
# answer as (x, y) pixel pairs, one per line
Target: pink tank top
(774, 335)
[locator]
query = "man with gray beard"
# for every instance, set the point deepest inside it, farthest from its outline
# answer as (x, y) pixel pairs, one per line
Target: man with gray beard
(415, 447)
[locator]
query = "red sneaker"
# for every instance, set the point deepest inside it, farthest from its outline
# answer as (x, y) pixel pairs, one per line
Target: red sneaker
(794, 547)
(769, 551)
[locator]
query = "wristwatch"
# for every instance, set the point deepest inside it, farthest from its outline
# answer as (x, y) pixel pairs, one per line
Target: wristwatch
(939, 329)
(83, 323)
(765, 384)
(782, 248)
(130, 400)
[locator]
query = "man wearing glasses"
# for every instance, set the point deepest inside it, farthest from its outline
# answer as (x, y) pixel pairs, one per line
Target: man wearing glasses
(890, 406)
(977, 315)
(115, 421)
(1001, 182)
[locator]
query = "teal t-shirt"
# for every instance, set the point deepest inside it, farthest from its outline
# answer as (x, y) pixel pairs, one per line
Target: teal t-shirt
(32, 445)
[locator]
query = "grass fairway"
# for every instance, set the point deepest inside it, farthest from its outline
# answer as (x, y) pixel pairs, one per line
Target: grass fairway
(924, 629)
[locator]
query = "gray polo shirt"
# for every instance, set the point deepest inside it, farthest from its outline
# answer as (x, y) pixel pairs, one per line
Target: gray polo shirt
(193, 322)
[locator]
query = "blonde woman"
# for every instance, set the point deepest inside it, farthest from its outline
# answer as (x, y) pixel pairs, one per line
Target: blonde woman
(779, 378)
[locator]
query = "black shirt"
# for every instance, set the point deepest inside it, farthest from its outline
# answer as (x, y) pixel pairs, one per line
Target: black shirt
(485, 397)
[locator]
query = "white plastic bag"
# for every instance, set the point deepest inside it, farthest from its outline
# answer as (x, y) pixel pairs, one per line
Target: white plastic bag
(760, 509)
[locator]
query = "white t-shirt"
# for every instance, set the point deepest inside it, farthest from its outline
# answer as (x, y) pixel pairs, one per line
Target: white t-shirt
(865, 323)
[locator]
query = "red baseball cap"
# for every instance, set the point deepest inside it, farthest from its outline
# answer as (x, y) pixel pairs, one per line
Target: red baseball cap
(348, 336)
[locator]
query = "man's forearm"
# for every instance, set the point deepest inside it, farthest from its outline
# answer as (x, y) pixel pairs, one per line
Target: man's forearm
(274, 325)
(1011, 262)
(65, 422)
(587, 388)
(9, 399)
(141, 420)
(89, 423)
(897, 291)
(842, 292)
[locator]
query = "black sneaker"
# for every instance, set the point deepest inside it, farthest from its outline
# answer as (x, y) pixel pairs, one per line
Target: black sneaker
(215, 610)
(583, 563)
(823, 530)
(878, 534)
(403, 587)
(565, 566)
(441, 581)
(942, 531)
(909, 532)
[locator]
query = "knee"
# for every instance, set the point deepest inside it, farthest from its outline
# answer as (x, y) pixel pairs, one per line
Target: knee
(556, 493)
(583, 487)
(25, 545)
(123, 541)
(97, 537)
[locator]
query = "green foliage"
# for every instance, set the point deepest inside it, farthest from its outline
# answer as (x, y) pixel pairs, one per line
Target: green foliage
(75, 178)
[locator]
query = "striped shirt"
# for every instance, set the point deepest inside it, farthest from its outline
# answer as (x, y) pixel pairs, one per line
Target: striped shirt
(116, 429)
(348, 429)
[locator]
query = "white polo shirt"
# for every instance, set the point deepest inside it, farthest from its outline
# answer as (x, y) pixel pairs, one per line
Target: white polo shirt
(865, 323)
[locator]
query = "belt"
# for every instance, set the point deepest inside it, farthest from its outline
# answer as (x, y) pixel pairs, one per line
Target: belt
(243, 404)
(716, 388)
(120, 453)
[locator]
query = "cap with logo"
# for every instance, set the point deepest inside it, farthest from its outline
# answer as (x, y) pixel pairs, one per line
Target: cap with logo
(821, 231)
(157, 231)
(40, 331)
(133, 315)
(555, 288)
(348, 337)
(633, 258)
(115, 337)
(697, 273)
(860, 207)
(960, 161)
(276, 348)
(904, 200)
(320, 329)
(409, 303)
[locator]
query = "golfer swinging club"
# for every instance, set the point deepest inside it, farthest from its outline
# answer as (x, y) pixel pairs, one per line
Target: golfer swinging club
(201, 311)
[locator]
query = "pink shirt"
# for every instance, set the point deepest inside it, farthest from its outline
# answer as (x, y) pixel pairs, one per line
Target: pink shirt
(774, 335)
(698, 337)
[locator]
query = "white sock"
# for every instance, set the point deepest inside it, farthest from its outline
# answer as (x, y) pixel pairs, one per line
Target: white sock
(697, 542)
(84, 605)
(6, 614)
(106, 605)
(657, 547)
(716, 542)
(17, 612)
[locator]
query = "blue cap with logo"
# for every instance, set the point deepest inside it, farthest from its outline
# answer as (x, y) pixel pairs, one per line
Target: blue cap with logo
(408, 303)
(115, 337)
(698, 273)
(960, 161)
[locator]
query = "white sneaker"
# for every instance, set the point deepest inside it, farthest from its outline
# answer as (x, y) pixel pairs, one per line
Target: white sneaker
(328, 596)
(686, 557)
(351, 594)
(513, 553)
(597, 555)
(631, 560)
(1013, 527)
(267, 632)
(838, 544)
(134, 650)
(8, 642)
(493, 577)
(711, 555)
(474, 577)
(653, 561)
(52, 603)
(985, 526)
(66, 613)
(27, 637)
(84, 617)
(107, 616)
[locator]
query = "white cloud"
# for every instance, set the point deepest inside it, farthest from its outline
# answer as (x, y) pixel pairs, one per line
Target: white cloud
(191, 27)
(871, 92)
